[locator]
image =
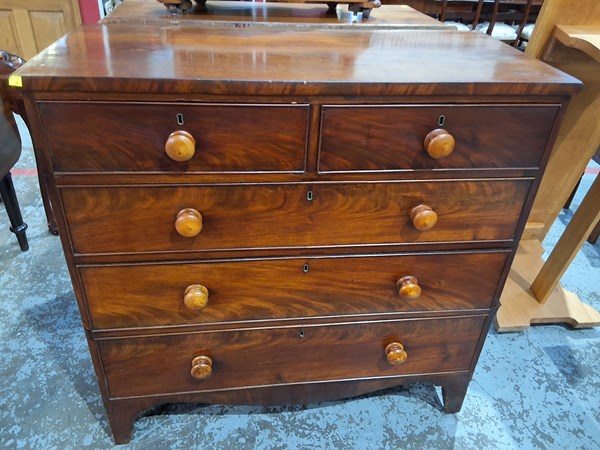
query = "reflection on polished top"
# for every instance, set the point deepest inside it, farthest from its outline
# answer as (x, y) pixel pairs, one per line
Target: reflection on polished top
(288, 62)
(245, 14)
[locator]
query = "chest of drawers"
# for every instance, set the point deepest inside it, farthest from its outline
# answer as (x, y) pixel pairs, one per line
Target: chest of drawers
(271, 217)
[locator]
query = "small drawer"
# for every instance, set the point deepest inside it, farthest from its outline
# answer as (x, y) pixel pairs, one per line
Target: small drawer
(123, 137)
(233, 217)
(197, 362)
(147, 295)
(391, 138)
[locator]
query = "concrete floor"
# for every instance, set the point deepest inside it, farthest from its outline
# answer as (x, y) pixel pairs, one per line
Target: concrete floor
(534, 389)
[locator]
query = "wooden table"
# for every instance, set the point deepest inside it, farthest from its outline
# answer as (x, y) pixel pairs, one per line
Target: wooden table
(244, 14)
(574, 49)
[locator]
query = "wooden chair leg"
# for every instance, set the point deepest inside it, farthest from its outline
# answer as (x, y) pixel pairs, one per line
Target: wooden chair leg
(593, 237)
(9, 196)
(572, 195)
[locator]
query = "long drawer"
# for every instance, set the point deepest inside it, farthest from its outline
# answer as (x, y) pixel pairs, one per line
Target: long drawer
(142, 218)
(152, 365)
(145, 295)
(390, 138)
(126, 137)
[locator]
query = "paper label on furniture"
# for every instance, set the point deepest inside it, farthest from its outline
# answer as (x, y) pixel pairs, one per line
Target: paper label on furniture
(15, 81)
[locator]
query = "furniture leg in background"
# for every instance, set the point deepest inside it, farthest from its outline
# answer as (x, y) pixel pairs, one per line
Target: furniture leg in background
(543, 299)
(562, 255)
(10, 151)
(8, 64)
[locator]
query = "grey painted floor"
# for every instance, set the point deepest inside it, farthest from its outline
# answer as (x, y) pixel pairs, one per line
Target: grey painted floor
(535, 389)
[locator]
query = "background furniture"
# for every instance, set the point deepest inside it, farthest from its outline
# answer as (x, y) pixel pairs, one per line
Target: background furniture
(29, 26)
(507, 20)
(235, 14)
(502, 19)
(10, 151)
(12, 96)
(281, 216)
(566, 35)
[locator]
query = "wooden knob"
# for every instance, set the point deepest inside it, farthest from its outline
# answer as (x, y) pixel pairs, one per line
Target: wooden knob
(188, 222)
(395, 353)
(180, 146)
(408, 288)
(439, 143)
(423, 217)
(195, 297)
(201, 367)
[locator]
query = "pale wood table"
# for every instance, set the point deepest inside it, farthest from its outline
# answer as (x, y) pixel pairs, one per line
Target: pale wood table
(532, 293)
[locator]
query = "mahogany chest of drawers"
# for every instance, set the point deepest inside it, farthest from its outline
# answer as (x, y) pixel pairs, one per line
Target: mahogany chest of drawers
(269, 216)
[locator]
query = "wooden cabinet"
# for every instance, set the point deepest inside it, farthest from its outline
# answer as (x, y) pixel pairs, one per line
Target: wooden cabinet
(320, 236)
(29, 26)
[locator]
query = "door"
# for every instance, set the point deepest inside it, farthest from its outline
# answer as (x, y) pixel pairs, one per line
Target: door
(29, 26)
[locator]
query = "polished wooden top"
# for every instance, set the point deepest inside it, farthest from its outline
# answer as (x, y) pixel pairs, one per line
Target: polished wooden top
(236, 14)
(263, 61)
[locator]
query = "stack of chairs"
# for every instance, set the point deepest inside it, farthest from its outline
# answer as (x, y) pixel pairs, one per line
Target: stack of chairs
(506, 20)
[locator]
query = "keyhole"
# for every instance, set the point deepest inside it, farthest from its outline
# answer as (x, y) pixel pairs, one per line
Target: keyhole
(305, 268)
(301, 334)
(179, 119)
(441, 120)
(309, 196)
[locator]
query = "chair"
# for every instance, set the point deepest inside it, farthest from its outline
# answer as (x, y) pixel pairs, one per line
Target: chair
(10, 151)
(463, 14)
(8, 64)
(507, 20)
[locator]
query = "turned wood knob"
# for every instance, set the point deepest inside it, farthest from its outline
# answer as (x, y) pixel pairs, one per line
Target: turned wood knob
(195, 297)
(180, 146)
(408, 288)
(188, 222)
(201, 367)
(423, 217)
(395, 353)
(439, 143)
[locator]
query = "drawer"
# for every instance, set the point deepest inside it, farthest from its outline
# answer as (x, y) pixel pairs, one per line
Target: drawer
(154, 365)
(145, 295)
(142, 218)
(390, 138)
(111, 137)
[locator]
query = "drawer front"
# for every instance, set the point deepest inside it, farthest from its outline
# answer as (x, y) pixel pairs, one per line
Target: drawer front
(129, 296)
(379, 138)
(295, 354)
(131, 137)
(141, 219)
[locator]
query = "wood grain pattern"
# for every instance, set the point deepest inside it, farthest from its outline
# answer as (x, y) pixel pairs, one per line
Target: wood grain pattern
(386, 138)
(141, 219)
(298, 265)
(254, 61)
(287, 355)
(145, 295)
(131, 136)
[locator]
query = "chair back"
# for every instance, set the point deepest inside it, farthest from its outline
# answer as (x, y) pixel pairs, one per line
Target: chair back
(510, 11)
(465, 11)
